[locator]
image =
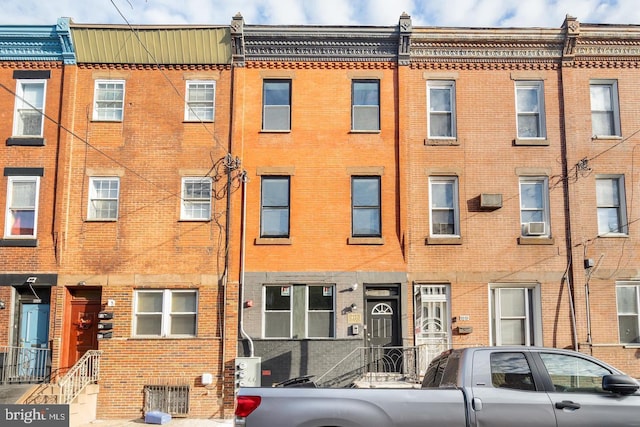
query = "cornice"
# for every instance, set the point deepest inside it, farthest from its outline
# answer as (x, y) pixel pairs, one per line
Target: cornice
(317, 65)
(181, 67)
(37, 43)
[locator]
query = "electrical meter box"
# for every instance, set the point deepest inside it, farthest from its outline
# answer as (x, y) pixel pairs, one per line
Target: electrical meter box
(248, 372)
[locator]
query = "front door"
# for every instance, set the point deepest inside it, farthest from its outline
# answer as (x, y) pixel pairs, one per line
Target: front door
(383, 335)
(83, 327)
(432, 330)
(34, 341)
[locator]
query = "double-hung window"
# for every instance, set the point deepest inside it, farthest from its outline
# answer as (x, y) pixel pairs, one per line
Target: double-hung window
(534, 206)
(610, 199)
(365, 206)
(21, 218)
(515, 315)
(365, 100)
(441, 106)
(530, 109)
(28, 118)
(299, 311)
(108, 100)
(605, 115)
(276, 105)
(165, 313)
(275, 206)
(200, 102)
(196, 199)
(443, 197)
(628, 296)
(104, 193)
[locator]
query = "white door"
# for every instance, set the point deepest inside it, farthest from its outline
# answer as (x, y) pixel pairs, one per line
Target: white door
(432, 327)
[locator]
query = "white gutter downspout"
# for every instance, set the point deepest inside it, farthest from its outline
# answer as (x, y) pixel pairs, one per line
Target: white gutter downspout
(242, 260)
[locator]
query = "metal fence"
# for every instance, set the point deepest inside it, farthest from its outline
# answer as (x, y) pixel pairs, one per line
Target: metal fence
(24, 365)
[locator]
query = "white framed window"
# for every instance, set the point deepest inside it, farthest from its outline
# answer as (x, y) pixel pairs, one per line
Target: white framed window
(108, 100)
(443, 206)
(534, 206)
(515, 315)
(200, 101)
(365, 206)
(605, 113)
(365, 100)
(441, 105)
(28, 117)
(165, 313)
(628, 302)
(610, 199)
(196, 199)
(104, 193)
(21, 218)
(276, 105)
(314, 304)
(274, 218)
(530, 109)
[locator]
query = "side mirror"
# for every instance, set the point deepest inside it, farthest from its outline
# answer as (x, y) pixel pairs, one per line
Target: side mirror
(620, 384)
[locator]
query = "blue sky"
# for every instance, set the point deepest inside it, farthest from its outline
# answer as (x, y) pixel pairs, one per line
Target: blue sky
(455, 13)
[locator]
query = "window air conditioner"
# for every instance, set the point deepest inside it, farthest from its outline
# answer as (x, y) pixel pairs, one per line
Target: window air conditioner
(534, 228)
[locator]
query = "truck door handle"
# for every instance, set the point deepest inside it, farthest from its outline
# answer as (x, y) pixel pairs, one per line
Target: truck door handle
(567, 404)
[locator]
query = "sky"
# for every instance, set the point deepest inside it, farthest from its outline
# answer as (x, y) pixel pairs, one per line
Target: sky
(447, 13)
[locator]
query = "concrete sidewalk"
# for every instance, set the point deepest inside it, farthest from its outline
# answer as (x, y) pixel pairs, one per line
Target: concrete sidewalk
(139, 422)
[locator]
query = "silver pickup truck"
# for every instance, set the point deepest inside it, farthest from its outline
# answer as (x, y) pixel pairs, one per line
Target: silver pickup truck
(471, 387)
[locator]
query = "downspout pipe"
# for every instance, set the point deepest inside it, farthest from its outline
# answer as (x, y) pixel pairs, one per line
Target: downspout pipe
(242, 261)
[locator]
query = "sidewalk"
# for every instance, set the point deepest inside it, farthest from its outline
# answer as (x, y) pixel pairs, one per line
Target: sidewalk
(139, 422)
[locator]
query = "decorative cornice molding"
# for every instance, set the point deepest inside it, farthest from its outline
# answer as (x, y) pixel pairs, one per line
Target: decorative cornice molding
(182, 67)
(331, 65)
(37, 43)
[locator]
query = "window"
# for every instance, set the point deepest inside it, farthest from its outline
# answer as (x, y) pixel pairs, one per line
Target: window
(200, 102)
(511, 370)
(515, 315)
(22, 207)
(166, 313)
(530, 109)
(196, 199)
(628, 296)
(109, 100)
(534, 206)
(28, 118)
(573, 374)
(365, 206)
(443, 197)
(276, 98)
(103, 198)
(365, 100)
(605, 118)
(275, 207)
(299, 311)
(610, 198)
(441, 100)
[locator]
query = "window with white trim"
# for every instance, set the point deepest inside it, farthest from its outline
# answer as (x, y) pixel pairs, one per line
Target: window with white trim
(276, 105)
(610, 199)
(365, 100)
(530, 109)
(200, 102)
(21, 218)
(515, 315)
(165, 313)
(441, 105)
(196, 199)
(443, 201)
(299, 311)
(104, 194)
(108, 100)
(628, 299)
(274, 219)
(28, 117)
(605, 113)
(534, 206)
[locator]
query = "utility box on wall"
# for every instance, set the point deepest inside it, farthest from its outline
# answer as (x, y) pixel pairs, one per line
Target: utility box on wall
(248, 372)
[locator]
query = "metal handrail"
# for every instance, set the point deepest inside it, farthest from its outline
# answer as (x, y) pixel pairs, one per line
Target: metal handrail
(24, 365)
(86, 371)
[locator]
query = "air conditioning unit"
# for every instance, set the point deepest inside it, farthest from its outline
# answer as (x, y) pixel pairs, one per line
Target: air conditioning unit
(534, 228)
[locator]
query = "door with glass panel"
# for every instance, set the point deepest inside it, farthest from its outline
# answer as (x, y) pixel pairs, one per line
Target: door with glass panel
(432, 326)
